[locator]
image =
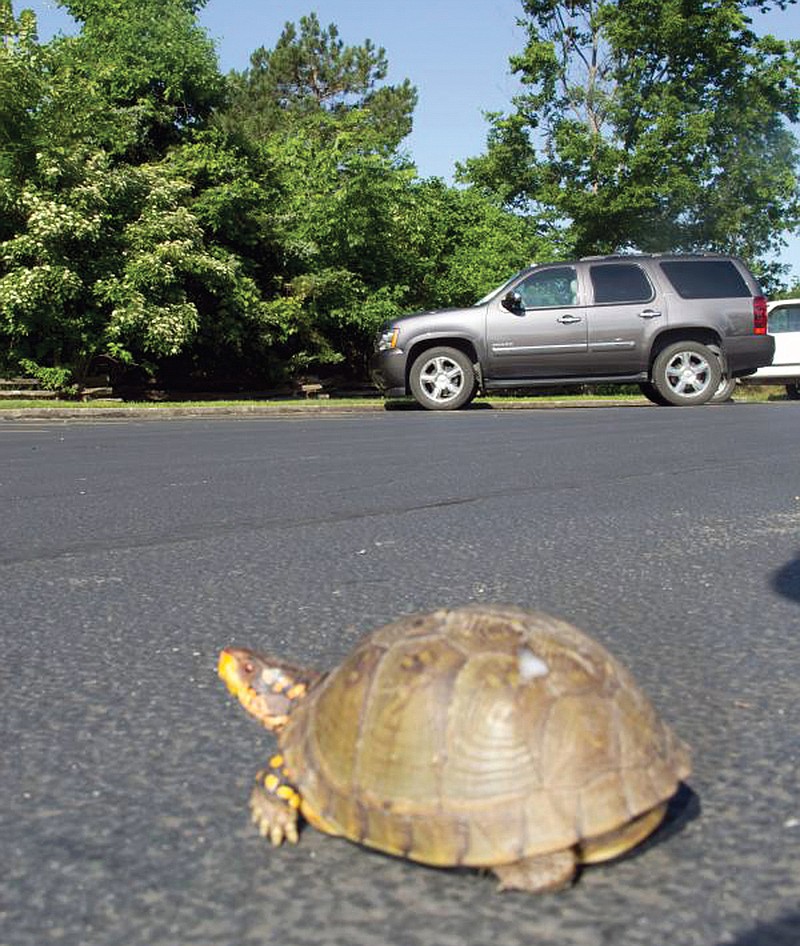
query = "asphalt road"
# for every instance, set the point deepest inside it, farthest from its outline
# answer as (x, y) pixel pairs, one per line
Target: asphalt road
(131, 551)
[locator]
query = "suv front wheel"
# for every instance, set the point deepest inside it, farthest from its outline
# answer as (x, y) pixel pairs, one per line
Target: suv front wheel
(686, 373)
(442, 379)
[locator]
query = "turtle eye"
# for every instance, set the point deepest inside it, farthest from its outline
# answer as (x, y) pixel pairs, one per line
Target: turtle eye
(248, 667)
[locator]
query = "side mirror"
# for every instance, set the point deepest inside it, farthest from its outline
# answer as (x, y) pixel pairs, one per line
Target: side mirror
(512, 301)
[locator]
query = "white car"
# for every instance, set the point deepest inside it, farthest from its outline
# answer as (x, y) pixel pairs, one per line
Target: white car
(784, 326)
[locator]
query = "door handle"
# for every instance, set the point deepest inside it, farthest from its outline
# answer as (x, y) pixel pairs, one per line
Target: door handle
(569, 319)
(649, 314)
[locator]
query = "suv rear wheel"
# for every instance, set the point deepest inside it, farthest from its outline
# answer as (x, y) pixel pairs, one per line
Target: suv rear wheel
(686, 373)
(443, 379)
(725, 390)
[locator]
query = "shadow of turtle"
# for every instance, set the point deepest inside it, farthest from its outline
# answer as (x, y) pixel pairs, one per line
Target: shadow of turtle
(682, 809)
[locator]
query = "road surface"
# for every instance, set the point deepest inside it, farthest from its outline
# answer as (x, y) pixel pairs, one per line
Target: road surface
(132, 551)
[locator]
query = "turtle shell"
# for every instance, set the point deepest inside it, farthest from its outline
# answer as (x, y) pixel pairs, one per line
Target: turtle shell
(479, 736)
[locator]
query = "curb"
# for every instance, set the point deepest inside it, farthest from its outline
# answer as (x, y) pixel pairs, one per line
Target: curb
(279, 410)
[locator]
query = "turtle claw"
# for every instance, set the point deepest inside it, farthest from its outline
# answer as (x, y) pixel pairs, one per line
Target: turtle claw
(275, 819)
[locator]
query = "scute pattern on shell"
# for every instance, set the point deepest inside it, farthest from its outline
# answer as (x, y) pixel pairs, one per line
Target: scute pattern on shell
(431, 740)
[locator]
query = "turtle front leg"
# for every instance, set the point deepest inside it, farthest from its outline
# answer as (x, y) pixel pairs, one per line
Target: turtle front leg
(540, 874)
(274, 804)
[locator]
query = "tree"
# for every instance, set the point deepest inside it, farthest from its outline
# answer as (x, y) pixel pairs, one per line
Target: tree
(117, 264)
(463, 243)
(20, 90)
(362, 239)
(649, 124)
(323, 131)
(148, 68)
(312, 81)
(245, 230)
(102, 251)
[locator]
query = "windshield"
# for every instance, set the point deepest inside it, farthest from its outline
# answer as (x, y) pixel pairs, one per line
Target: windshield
(504, 287)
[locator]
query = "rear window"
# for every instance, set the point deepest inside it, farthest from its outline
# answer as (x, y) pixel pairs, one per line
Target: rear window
(620, 282)
(705, 279)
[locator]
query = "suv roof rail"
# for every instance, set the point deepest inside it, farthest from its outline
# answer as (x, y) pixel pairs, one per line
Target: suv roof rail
(636, 255)
(612, 256)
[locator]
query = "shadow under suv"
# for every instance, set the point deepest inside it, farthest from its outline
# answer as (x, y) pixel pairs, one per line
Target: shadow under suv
(679, 326)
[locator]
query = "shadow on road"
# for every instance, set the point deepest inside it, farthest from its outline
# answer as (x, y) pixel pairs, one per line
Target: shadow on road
(411, 405)
(785, 931)
(683, 808)
(786, 580)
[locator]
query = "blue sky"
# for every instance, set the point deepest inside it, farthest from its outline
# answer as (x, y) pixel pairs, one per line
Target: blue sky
(454, 51)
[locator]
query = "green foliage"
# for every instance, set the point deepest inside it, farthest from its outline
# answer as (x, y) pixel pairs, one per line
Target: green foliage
(311, 82)
(354, 238)
(21, 88)
(141, 74)
(247, 228)
(655, 124)
(52, 379)
(101, 251)
(117, 263)
(793, 292)
(465, 244)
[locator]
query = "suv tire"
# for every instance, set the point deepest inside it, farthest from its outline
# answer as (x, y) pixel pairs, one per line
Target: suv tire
(443, 379)
(725, 391)
(686, 373)
(650, 392)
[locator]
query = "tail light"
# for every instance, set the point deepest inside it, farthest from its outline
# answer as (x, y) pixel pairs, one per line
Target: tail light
(759, 315)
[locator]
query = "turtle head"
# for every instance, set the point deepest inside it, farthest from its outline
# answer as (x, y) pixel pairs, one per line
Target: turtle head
(266, 688)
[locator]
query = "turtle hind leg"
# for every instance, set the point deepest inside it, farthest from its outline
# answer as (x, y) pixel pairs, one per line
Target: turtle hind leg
(540, 874)
(274, 806)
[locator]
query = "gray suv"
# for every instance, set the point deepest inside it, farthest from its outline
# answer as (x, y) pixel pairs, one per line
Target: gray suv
(679, 326)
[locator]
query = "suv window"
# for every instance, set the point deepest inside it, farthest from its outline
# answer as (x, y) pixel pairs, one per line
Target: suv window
(550, 287)
(784, 318)
(705, 279)
(620, 282)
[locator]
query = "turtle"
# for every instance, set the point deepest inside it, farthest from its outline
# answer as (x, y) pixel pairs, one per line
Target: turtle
(483, 736)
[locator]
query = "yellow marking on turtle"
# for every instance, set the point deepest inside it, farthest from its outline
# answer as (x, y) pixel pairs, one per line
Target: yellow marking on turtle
(418, 660)
(295, 692)
(271, 782)
(288, 794)
(276, 761)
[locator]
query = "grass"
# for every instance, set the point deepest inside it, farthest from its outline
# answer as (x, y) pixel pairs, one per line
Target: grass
(744, 393)
(23, 403)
